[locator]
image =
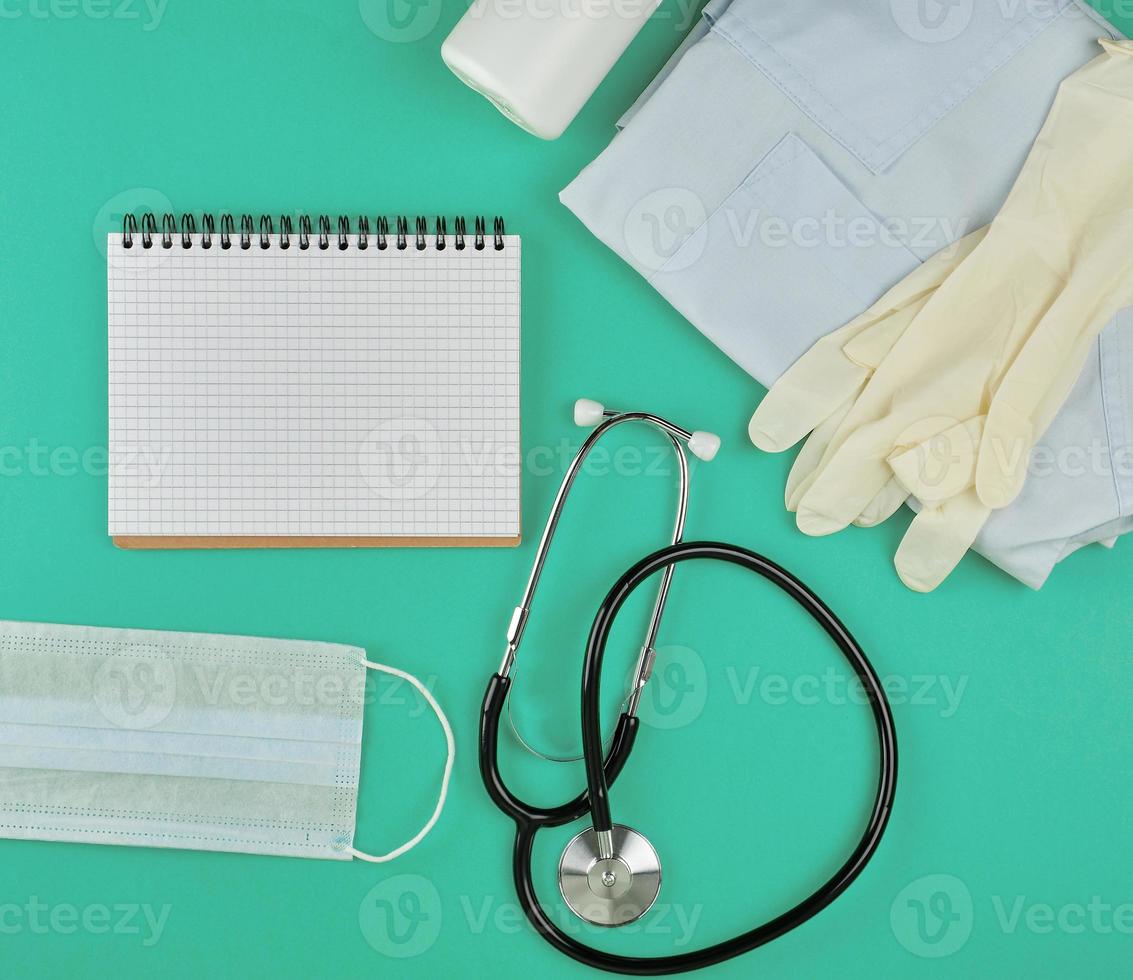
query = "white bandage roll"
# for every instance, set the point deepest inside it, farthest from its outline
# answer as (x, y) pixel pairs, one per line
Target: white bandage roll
(538, 61)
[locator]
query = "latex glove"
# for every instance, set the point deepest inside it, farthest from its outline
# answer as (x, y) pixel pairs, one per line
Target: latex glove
(817, 392)
(994, 351)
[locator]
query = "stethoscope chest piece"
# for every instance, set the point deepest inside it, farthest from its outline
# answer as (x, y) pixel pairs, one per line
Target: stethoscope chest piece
(612, 889)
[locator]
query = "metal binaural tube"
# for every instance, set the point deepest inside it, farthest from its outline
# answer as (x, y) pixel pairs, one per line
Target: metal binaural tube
(522, 612)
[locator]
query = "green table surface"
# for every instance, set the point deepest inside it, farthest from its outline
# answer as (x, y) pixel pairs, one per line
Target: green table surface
(1009, 850)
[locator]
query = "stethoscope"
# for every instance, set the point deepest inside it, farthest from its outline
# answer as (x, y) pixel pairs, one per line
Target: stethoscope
(610, 874)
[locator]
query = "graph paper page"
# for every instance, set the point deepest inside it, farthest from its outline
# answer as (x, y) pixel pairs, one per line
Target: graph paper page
(290, 393)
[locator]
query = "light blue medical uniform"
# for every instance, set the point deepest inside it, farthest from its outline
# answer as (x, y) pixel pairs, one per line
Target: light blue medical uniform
(796, 158)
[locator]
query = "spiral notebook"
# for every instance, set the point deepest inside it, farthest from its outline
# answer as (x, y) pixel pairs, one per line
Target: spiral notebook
(313, 383)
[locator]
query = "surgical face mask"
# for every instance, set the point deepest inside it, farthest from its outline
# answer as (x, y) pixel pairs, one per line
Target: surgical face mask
(185, 740)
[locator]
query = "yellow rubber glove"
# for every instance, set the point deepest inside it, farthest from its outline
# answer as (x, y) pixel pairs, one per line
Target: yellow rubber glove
(818, 391)
(994, 351)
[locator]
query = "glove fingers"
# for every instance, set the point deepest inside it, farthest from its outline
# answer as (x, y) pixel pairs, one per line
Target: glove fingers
(942, 465)
(937, 539)
(812, 389)
(813, 450)
(789, 412)
(1001, 467)
(923, 281)
(836, 367)
(1030, 394)
(884, 505)
(891, 315)
(797, 488)
(869, 348)
(846, 484)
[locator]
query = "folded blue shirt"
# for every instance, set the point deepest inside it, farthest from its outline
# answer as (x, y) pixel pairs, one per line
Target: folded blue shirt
(796, 158)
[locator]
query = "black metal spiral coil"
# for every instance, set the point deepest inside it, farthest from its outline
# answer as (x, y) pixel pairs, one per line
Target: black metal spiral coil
(186, 228)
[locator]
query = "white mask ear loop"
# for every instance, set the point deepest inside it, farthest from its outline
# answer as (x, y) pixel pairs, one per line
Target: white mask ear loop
(432, 702)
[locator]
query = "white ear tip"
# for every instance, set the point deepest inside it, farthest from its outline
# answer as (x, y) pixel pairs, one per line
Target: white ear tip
(704, 445)
(587, 412)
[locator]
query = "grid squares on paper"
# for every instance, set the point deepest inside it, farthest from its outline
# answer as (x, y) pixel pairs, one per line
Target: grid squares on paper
(286, 392)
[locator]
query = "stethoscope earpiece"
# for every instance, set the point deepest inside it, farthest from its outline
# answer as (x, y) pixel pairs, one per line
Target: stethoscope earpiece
(704, 445)
(588, 412)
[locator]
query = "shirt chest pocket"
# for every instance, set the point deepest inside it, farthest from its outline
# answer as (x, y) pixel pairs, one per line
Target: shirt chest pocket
(788, 256)
(878, 74)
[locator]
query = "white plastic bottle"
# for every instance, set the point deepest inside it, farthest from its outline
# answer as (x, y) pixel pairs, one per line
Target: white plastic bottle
(538, 61)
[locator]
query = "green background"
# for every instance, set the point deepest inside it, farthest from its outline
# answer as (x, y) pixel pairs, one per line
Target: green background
(753, 774)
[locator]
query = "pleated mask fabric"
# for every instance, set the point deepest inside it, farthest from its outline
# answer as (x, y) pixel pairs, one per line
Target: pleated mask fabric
(182, 740)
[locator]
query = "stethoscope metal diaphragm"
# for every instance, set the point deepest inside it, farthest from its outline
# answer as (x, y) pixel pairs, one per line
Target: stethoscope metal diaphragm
(610, 891)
